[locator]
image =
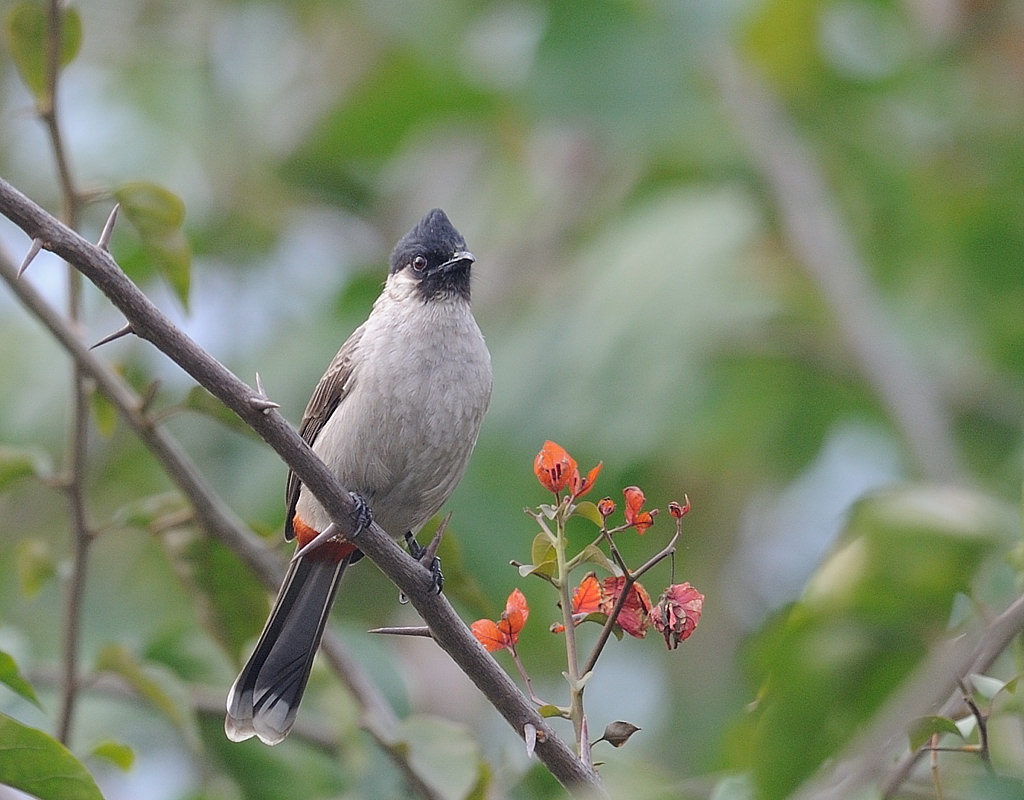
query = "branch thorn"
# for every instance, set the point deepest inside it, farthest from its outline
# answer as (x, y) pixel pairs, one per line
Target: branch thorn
(407, 630)
(530, 736)
(261, 402)
(120, 332)
(108, 229)
(33, 251)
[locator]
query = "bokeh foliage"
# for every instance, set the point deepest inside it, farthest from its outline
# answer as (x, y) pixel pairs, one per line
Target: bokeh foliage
(643, 305)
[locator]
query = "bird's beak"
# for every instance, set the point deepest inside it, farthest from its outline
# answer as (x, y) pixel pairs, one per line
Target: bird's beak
(460, 257)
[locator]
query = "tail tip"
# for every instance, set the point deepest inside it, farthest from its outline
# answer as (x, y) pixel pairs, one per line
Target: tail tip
(239, 730)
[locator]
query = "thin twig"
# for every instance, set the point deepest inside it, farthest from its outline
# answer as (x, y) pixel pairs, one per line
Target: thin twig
(76, 458)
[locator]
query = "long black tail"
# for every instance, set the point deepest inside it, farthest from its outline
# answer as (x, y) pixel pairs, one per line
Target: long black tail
(264, 698)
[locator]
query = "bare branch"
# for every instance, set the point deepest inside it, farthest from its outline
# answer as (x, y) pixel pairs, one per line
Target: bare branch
(815, 232)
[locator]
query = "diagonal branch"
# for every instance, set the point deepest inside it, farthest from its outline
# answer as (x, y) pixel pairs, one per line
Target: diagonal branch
(212, 514)
(449, 631)
(814, 230)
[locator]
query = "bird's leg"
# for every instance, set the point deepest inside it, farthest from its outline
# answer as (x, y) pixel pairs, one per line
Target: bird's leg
(427, 556)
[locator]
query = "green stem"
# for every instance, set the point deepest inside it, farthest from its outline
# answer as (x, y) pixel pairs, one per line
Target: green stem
(576, 713)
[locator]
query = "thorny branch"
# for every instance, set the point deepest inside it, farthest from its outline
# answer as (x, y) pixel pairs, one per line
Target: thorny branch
(212, 515)
(149, 323)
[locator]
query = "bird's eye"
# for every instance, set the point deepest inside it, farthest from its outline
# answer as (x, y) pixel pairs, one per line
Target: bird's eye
(419, 263)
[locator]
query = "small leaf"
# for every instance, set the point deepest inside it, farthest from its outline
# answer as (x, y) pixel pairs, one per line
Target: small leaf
(104, 413)
(10, 676)
(924, 728)
(550, 710)
(987, 686)
(203, 402)
(36, 565)
(39, 765)
(117, 753)
(21, 462)
(155, 684)
(444, 754)
(542, 549)
(592, 554)
(618, 733)
(158, 215)
(27, 25)
(548, 510)
(231, 604)
(588, 510)
(144, 512)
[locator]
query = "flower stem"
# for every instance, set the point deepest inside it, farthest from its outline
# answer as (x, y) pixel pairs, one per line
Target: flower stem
(576, 713)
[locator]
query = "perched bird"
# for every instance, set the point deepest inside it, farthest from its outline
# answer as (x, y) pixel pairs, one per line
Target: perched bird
(395, 417)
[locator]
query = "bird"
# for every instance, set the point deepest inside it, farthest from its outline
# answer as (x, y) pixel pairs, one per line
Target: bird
(395, 417)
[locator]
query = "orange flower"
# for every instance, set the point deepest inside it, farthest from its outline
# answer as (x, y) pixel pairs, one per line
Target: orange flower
(553, 465)
(635, 615)
(606, 507)
(557, 470)
(678, 613)
(585, 600)
(641, 520)
(503, 634)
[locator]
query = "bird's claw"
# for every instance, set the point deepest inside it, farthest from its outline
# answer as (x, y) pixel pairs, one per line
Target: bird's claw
(427, 556)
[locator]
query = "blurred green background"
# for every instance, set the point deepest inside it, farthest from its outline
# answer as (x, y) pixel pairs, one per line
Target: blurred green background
(660, 286)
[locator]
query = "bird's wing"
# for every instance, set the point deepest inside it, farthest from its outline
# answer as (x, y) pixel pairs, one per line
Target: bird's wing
(333, 387)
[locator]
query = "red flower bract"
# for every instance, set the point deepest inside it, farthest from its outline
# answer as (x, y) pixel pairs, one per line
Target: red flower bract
(641, 520)
(503, 634)
(678, 613)
(585, 600)
(635, 615)
(553, 467)
(557, 470)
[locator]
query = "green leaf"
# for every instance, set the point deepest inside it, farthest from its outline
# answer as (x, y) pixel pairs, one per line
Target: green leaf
(231, 604)
(10, 676)
(104, 413)
(592, 554)
(444, 754)
(924, 728)
(203, 402)
(155, 684)
(542, 549)
(588, 511)
(39, 765)
(143, 512)
(36, 565)
(867, 617)
(21, 462)
(117, 753)
(158, 215)
(27, 25)
(550, 710)
(987, 686)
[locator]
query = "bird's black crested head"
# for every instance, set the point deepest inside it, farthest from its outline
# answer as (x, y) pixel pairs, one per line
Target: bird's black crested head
(436, 255)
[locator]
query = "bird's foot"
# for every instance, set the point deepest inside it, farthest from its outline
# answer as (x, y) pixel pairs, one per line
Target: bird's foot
(427, 556)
